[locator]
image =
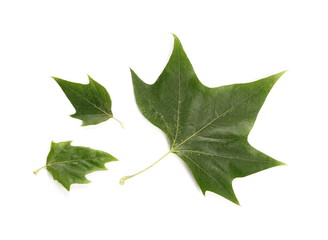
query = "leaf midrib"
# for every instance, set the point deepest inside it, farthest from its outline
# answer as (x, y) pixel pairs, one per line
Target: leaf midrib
(179, 101)
(65, 162)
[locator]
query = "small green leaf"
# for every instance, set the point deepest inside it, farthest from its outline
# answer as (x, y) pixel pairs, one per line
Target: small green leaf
(69, 164)
(91, 101)
(206, 127)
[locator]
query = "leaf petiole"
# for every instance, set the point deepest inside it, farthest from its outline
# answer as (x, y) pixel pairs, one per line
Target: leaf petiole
(122, 126)
(123, 179)
(36, 171)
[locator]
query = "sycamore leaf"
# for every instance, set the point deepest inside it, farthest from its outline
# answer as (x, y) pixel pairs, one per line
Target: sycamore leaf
(69, 164)
(206, 127)
(91, 101)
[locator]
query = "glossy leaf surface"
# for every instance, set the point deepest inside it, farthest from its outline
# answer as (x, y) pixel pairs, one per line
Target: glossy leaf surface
(206, 127)
(91, 101)
(69, 164)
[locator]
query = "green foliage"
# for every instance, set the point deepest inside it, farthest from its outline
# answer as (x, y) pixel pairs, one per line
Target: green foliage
(69, 164)
(206, 127)
(91, 101)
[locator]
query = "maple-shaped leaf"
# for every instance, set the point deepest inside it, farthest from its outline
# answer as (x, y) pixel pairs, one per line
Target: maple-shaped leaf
(206, 127)
(91, 101)
(69, 164)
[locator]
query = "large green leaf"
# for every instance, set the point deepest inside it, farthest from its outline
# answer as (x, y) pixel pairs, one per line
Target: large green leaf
(91, 101)
(69, 164)
(206, 127)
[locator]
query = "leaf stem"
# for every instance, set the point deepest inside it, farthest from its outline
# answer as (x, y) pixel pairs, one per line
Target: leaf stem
(118, 121)
(123, 179)
(36, 171)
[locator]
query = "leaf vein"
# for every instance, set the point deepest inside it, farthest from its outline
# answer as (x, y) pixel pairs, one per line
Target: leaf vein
(159, 114)
(208, 174)
(91, 103)
(215, 155)
(219, 116)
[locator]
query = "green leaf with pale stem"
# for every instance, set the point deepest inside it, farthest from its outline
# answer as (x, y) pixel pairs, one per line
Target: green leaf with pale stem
(69, 164)
(91, 101)
(206, 127)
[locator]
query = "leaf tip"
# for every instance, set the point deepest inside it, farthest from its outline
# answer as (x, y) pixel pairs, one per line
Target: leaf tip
(67, 187)
(55, 78)
(176, 40)
(278, 163)
(278, 75)
(132, 72)
(231, 198)
(90, 78)
(133, 75)
(203, 191)
(234, 200)
(84, 124)
(175, 36)
(53, 144)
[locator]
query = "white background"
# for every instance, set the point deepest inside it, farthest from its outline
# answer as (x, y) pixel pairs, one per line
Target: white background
(228, 42)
